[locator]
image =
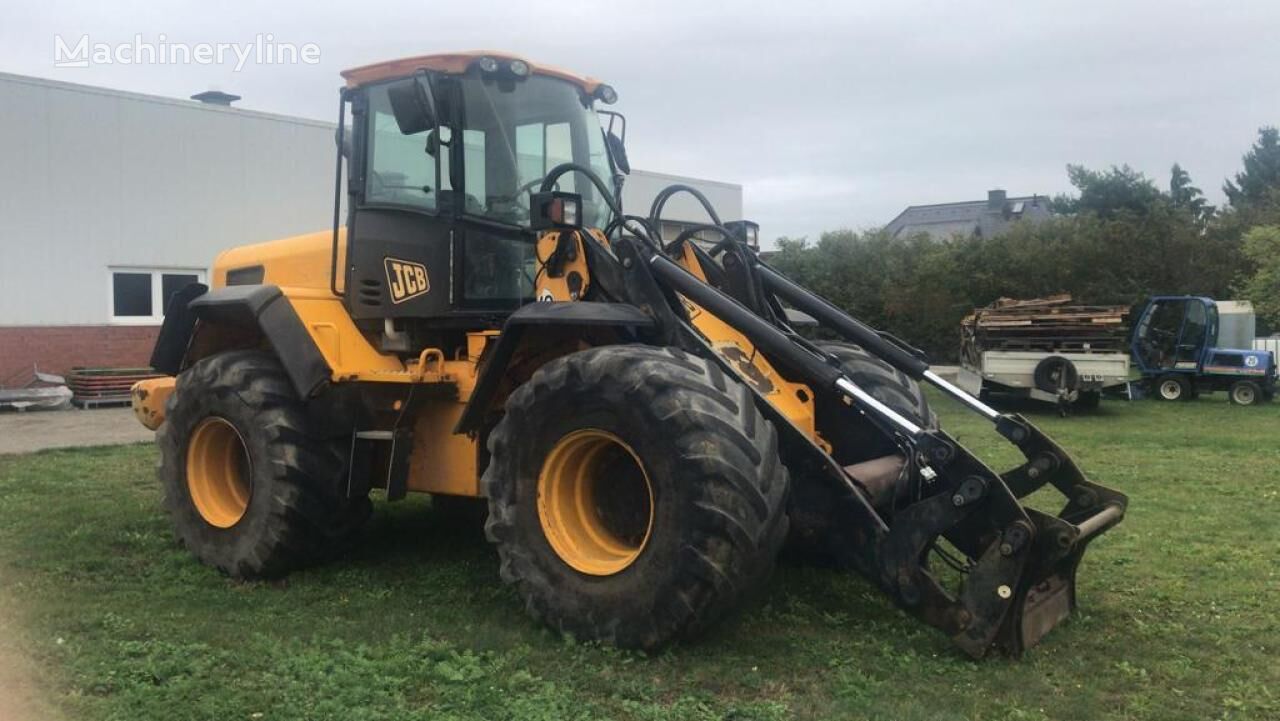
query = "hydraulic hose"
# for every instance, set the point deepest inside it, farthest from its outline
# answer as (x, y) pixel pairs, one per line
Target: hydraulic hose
(553, 175)
(655, 211)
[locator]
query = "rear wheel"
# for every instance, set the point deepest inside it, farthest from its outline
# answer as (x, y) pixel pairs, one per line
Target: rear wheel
(853, 437)
(1173, 387)
(635, 494)
(853, 440)
(1245, 393)
(252, 486)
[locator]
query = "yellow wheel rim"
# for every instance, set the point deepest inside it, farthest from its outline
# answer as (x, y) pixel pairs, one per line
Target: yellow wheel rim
(218, 472)
(595, 502)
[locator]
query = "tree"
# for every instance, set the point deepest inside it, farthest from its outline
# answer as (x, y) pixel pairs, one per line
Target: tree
(1109, 192)
(1261, 173)
(1262, 288)
(1182, 194)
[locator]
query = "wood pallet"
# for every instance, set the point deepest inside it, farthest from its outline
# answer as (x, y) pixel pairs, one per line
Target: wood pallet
(1050, 324)
(92, 387)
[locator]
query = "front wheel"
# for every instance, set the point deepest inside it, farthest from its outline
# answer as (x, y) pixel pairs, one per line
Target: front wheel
(1173, 387)
(635, 494)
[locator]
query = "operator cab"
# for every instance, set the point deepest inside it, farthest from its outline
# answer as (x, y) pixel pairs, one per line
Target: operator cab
(445, 152)
(1173, 332)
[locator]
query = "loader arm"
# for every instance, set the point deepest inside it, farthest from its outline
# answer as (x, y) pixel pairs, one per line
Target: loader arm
(1022, 582)
(1020, 578)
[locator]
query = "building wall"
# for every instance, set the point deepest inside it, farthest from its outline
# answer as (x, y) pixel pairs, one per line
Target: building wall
(59, 348)
(96, 179)
(642, 186)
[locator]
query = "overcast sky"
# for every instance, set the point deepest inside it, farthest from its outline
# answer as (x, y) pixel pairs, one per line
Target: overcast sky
(829, 114)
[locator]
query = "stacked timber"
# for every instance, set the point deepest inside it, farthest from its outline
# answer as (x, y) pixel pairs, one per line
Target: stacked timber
(104, 386)
(1051, 325)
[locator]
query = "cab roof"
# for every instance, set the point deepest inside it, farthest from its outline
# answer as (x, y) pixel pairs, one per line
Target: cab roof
(454, 64)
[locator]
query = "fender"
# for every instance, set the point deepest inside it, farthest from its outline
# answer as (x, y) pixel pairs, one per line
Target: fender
(261, 309)
(581, 314)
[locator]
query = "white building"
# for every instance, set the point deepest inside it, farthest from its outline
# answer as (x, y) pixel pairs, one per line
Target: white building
(112, 199)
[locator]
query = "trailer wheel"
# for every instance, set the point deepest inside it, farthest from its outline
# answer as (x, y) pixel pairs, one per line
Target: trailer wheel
(252, 485)
(1244, 393)
(635, 495)
(1089, 400)
(1173, 387)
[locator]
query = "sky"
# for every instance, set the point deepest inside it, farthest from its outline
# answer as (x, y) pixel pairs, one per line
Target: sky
(829, 114)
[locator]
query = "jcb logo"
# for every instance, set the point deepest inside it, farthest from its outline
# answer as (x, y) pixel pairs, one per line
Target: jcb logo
(406, 279)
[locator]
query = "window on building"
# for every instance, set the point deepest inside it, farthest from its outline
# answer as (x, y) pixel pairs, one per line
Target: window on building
(140, 295)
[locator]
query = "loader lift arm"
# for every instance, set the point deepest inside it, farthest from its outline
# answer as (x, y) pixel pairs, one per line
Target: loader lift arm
(1022, 579)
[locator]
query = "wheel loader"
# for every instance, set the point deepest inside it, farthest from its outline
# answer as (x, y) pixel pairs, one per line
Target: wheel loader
(640, 414)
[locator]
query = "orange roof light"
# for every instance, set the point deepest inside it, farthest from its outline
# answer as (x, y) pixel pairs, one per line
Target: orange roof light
(456, 64)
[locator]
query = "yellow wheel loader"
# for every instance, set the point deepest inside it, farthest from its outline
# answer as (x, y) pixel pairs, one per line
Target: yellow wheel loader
(646, 424)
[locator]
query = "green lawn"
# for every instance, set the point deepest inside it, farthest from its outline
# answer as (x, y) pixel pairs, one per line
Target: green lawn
(1180, 609)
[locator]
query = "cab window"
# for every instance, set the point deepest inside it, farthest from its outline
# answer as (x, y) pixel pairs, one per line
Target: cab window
(400, 170)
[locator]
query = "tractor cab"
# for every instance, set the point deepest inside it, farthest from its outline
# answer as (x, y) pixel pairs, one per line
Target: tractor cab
(445, 154)
(1175, 347)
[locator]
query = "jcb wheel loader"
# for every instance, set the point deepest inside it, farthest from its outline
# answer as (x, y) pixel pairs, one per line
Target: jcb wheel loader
(644, 421)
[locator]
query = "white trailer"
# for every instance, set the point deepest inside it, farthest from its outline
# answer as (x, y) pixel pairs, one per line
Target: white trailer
(1015, 372)
(1046, 349)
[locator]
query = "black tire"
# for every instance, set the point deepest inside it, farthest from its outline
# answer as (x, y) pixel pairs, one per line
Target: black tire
(1089, 400)
(297, 511)
(1245, 393)
(1054, 374)
(717, 489)
(852, 436)
(813, 540)
(1172, 387)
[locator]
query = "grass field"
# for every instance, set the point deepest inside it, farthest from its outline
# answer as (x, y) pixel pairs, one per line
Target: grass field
(1180, 609)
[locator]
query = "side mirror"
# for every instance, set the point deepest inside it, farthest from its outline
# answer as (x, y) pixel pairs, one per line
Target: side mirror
(618, 152)
(411, 106)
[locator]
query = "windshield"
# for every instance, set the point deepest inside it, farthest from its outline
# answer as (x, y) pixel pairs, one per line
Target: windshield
(512, 131)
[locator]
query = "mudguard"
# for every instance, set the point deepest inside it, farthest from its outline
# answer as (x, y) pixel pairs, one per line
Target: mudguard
(262, 308)
(579, 314)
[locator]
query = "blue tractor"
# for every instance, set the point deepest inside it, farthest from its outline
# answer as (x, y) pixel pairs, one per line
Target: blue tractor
(1174, 347)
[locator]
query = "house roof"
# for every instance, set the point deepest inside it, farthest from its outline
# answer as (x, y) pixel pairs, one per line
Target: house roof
(976, 217)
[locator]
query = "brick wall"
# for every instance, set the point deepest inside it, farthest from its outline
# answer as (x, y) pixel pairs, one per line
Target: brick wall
(56, 349)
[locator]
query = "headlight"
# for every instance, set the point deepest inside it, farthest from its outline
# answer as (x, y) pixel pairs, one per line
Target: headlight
(555, 209)
(487, 64)
(519, 68)
(606, 94)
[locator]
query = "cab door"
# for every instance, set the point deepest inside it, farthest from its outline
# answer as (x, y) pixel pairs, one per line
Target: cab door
(1191, 340)
(1158, 336)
